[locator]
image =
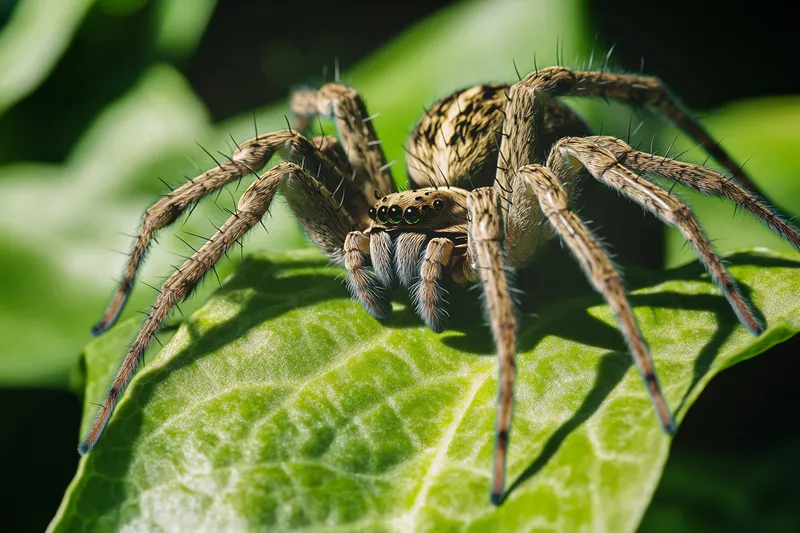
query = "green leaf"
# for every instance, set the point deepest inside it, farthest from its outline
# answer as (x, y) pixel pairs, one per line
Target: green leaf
(282, 405)
(41, 30)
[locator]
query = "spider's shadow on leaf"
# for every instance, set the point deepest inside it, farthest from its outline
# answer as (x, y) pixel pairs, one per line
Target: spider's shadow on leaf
(586, 329)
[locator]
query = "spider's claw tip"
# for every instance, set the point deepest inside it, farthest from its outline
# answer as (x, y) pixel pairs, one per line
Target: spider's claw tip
(496, 498)
(99, 328)
(670, 427)
(756, 329)
(84, 448)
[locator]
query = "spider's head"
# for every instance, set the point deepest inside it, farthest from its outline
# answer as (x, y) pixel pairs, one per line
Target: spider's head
(424, 210)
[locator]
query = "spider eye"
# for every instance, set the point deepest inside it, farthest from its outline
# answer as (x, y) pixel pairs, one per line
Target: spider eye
(383, 214)
(411, 215)
(395, 214)
(438, 204)
(373, 213)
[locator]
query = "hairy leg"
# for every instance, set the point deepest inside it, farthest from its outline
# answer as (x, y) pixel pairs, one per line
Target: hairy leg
(572, 154)
(249, 158)
(701, 179)
(354, 125)
(522, 138)
(633, 89)
(601, 273)
(486, 252)
(254, 203)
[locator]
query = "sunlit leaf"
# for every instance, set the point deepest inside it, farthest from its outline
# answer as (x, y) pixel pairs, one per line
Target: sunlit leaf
(281, 405)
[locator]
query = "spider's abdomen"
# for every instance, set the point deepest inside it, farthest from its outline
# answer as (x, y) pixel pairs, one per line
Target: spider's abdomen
(455, 142)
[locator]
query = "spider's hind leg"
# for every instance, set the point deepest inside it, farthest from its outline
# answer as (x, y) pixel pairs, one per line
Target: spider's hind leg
(572, 154)
(701, 179)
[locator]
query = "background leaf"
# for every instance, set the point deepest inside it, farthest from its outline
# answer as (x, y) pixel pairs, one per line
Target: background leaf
(281, 404)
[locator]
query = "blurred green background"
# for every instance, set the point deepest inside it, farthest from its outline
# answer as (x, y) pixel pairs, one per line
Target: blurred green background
(100, 98)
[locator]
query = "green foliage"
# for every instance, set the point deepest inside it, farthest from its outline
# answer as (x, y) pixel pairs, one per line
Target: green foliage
(281, 404)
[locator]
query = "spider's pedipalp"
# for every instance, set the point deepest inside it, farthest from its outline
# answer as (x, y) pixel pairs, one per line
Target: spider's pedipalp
(604, 277)
(381, 252)
(570, 154)
(427, 293)
(364, 284)
(408, 251)
(700, 178)
(486, 236)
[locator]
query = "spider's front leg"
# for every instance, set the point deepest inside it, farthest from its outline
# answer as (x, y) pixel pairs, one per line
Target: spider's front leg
(322, 216)
(357, 168)
(487, 256)
(249, 157)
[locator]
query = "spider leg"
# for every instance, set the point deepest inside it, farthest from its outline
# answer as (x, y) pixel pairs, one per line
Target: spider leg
(427, 293)
(381, 249)
(314, 206)
(635, 90)
(487, 254)
(250, 157)
(554, 202)
(252, 154)
(701, 179)
(572, 154)
(356, 131)
(364, 284)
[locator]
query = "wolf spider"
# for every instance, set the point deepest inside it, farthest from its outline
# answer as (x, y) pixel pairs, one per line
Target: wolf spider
(472, 211)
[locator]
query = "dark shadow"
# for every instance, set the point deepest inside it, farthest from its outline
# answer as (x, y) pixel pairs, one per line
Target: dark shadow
(610, 371)
(724, 317)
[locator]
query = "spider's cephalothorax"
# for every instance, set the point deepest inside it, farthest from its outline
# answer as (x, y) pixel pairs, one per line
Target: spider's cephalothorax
(492, 170)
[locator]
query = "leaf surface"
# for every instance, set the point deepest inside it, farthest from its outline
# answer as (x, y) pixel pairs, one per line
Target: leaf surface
(281, 405)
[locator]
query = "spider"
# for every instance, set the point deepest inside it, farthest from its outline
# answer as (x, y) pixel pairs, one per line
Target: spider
(492, 170)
